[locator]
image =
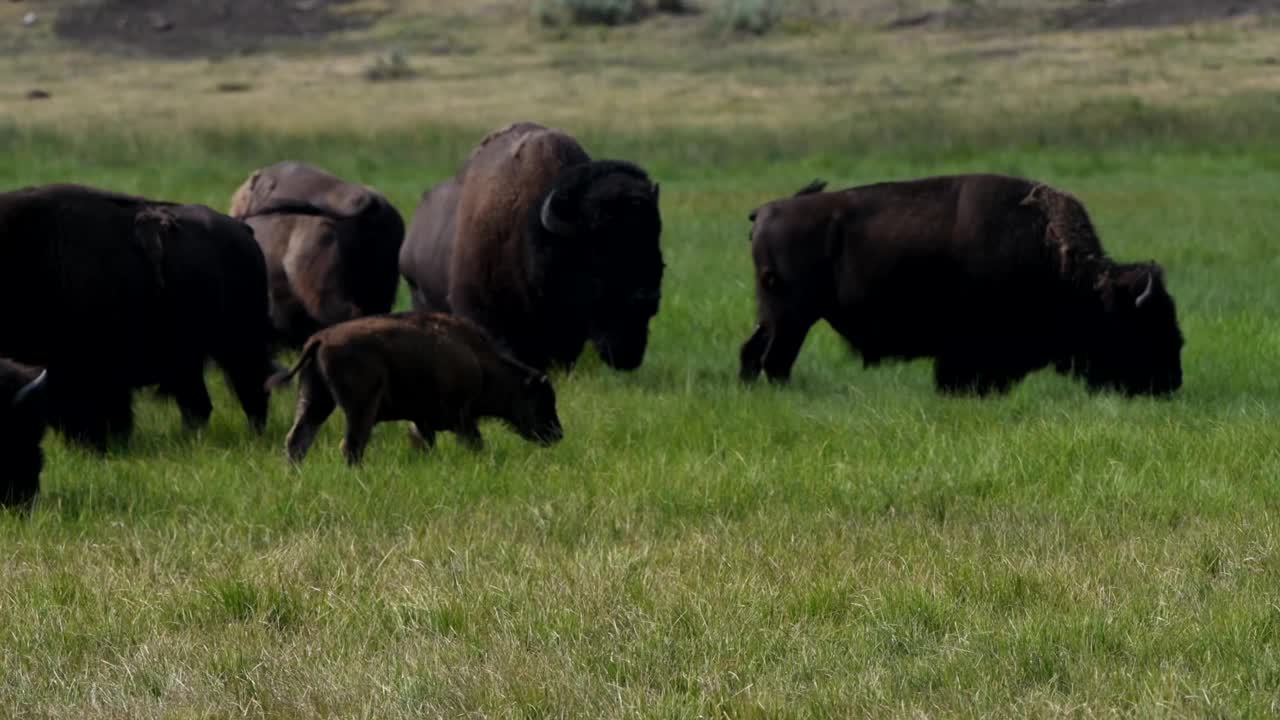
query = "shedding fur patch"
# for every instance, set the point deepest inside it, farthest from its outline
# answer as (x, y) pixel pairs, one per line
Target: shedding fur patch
(1069, 232)
(152, 243)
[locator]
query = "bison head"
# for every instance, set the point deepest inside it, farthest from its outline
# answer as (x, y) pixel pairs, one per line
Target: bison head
(608, 212)
(534, 416)
(1138, 348)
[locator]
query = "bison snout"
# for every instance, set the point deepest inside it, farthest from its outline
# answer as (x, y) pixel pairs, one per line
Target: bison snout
(549, 436)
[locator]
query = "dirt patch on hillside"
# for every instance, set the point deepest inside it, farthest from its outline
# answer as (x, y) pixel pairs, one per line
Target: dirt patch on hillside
(187, 28)
(1157, 13)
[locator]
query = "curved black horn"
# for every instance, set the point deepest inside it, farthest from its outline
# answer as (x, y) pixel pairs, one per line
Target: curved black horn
(29, 388)
(552, 223)
(1146, 293)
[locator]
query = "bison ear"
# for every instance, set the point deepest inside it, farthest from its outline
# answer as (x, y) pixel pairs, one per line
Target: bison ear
(656, 191)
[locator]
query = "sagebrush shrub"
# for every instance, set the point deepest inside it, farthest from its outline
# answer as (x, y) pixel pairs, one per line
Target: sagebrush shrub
(589, 12)
(750, 16)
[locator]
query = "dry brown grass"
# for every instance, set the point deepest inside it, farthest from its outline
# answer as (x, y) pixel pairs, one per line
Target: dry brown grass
(483, 64)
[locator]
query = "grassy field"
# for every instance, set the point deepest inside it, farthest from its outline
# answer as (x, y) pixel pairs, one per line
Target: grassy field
(852, 545)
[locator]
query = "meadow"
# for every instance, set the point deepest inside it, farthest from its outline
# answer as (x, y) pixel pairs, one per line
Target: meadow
(850, 545)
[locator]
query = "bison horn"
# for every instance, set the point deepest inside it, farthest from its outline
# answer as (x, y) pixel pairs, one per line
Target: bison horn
(554, 224)
(1146, 293)
(30, 388)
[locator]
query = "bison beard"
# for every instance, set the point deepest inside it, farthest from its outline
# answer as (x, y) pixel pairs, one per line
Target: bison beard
(993, 277)
(543, 247)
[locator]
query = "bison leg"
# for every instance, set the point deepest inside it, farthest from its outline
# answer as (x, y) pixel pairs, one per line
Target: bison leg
(422, 435)
(91, 413)
(954, 376)
(751, 355)
(22, 483)
(783, 348)
(965, 376)
(315, 404)
(469, 434)
(360, 422)
(193, 400)
(248, 377)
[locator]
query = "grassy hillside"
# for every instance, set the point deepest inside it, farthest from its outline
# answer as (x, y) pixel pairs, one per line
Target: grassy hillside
(853, 545)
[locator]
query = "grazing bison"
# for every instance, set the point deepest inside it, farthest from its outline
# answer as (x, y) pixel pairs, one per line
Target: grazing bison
(112, 292)
(22, 420)
(993, 277)
(439, 372)
(331, 246)
(542, 247)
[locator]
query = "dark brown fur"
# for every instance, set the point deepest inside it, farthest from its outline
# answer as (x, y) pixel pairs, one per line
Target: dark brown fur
(113, 292)
(479, 246)
(436, 371)
(991, 276)
(331, 246)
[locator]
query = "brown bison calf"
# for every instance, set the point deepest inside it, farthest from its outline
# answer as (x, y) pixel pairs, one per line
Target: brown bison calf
(22, 422)
(437, 371)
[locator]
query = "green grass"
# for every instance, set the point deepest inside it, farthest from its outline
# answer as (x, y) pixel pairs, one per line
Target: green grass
(851, 545)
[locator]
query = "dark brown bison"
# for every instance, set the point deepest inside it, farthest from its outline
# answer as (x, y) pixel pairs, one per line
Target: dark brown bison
(993, 277)
(331, 246)
(439, 372)
(542, 247)
(22, 421)
(112, 292)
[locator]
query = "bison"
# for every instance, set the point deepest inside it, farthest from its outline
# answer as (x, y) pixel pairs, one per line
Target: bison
(331, 246)
(22, 421)
(542, 247)
(113, 292)
(991, 276)
(439, 372)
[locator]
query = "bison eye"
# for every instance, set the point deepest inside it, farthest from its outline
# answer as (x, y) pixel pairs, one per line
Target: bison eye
(769, 280)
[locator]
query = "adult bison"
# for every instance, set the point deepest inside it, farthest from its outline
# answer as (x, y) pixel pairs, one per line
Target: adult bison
(991, 276)
(113, 292)
(331, 246)
(22, 421)
(542, 247)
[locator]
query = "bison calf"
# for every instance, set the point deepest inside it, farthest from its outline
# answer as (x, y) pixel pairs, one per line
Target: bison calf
(437, 371)
(22, 422)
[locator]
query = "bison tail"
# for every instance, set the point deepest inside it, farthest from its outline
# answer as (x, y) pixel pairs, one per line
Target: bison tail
(816, 185)
(284, 376)
(297, 207)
